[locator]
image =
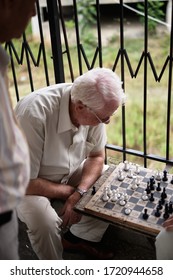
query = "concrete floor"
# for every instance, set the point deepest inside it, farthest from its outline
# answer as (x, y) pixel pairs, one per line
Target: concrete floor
(127, 245)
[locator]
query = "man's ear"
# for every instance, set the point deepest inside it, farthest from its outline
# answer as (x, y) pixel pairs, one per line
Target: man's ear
(79, 106)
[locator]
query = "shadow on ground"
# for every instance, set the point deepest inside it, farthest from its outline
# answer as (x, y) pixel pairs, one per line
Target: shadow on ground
(127, 245)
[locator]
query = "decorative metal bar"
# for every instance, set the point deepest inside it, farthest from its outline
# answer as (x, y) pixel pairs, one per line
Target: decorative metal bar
(66, 41)
(122, 76)
(169, 90)
(56, 40)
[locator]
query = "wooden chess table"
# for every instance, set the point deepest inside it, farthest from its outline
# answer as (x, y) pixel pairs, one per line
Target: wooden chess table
(131, 185)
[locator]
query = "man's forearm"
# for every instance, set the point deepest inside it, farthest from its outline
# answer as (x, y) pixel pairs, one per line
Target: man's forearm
(49, 189)
(92, 170)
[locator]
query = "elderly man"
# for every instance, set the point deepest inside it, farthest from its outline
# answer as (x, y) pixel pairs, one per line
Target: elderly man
(164, 241)
(64, 127)
(14, 154)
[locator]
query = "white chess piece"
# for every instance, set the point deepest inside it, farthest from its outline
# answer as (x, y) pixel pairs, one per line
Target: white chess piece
(144, 196)
(126, 165)
(114, 196)
(105, 196)
(122, 202)
(127, 211)
(120, 175)
(137, 180)
(109, 192)
(158, 176)
(134, 185)
(130, 173)
(137, 171)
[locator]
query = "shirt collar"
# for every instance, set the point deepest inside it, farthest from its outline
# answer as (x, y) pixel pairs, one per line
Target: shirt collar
(64, 122)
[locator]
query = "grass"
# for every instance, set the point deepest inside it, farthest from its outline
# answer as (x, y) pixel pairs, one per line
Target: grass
(158, 47)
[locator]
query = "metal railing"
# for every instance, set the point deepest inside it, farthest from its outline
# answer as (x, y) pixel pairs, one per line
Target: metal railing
(58, 33)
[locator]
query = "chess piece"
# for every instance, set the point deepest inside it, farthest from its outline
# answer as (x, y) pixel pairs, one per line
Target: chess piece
(93, 190)
(157, 213)
(130, 173)
(152, 197)
(114, 196)
(127, 211)
(171, 180)
(163, 194)
(148, 190)
(120, 175)
(158, 187)
(158, 176)
(126, 165)
(144, 196)
(109, 192)
(137, 170)
(160, 205)
(152, 182)
(137, 180)
(170, 207)
(165, 175)
(134, 186)
(105, 196)
(166, 213)
(122, 202)
(145, 215)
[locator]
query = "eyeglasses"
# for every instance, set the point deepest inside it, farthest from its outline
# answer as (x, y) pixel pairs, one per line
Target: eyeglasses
(100, 120)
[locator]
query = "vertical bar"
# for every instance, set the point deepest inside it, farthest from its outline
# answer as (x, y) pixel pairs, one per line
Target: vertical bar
(13, 71)
(66, 40)
(169, 89)
(145, 83)
(122, 75)
(77, 36)
(99, 33)
(28, 62)
(42, 43)
(55, 35)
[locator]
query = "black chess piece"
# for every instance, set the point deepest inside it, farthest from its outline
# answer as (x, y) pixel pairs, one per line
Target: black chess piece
(171, 180)
(170, 207)
(157, 213)
(166, 213)
(160, 205)
(148, 190)
(93, 190)
(152, 182)
(164, 194)
(151, 197)
(158, 187)
(145, 215)
(165, 175)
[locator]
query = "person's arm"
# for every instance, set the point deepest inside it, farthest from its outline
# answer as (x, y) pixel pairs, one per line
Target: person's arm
(92, 169)
(49, 189)
(168, 224)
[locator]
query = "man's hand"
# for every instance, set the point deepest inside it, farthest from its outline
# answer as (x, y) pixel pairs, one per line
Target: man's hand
(67, 214)
(168, 224)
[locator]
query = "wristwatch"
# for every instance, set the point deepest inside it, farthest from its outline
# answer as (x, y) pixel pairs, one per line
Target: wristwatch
(82, 192)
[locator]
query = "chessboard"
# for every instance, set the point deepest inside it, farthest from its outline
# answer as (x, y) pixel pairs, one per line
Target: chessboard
(131, 196)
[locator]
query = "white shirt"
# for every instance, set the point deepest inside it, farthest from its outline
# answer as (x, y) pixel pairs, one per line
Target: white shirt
(14, 154)
(57, 148)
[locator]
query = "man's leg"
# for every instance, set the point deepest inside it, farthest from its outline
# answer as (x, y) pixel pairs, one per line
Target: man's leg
(43, 226)
(9, 239)
(88, 228)
(164, 245)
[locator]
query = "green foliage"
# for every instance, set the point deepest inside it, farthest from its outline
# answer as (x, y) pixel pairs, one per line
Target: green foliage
(87, 18)
(154, 10)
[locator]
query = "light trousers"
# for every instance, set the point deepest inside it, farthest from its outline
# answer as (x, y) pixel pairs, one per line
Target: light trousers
(44, 225)
(164, 245)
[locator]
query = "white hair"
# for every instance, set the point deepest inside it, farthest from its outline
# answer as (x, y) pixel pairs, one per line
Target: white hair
(97, 87)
